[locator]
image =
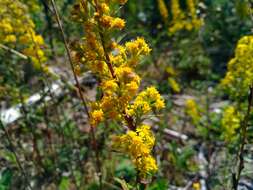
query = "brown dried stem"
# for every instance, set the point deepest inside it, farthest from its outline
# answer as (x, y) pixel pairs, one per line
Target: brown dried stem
(79, 90)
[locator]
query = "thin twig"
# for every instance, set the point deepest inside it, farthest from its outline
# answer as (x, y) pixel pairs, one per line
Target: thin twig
(12, 148)
(69, 56)
(38, 162)
(21, 55)
(13, 51)
(79, 89)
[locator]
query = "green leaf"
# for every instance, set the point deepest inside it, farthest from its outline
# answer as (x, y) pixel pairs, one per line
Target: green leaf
(2, 187)
(242, 9)
(123, 183)
(5, 179)
(64, 184)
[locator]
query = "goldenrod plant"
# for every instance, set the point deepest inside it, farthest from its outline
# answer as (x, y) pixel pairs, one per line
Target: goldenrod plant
(17, 30)
(230, 123)
(180, 19)
(172, 75)
(163, 10)
(114, 64)
(239, 75)
(192, 110)
(20, 41)
(238, 83)
(181, 23)
(184, 20)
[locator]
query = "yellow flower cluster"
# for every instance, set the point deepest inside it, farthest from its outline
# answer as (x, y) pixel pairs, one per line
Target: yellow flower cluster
(239, 76)
(18, 30)
(114, 64)
(174, 85)
(230, 123)
(172, 74)
(97, 117)
(192, 110)
(163, 9)
(183, 21)
(146, 101)
(138, 144)
(196, 186)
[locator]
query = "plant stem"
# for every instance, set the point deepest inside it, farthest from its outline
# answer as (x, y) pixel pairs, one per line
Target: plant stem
(13, 51)
(12, 148)
(69, 56)
(243, 136)
(79, 90)
(45, 81)
(49, 26)
(38, 162)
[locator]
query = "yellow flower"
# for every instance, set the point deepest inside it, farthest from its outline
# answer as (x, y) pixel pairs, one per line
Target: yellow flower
(196, 186)
(5, 26)
(10, 38)
(108, 104)
(25, 39)
(230, 123)
(145, 133)
(176, 11)
(159, 104)
(104, 8)
(146, 101)
(125, 75)
(138, 47)
(191, 109)
(163, 9)
(146, 165)
(39, 40)
(118, 23)
(174, 85)
(152, 93)
(138, 146)
(97, 116)
(184, 20)
(111, 22)
(171, 71)
(132, 88)
(191, 7)
(109, 86)
(239, 74)
(106, 21)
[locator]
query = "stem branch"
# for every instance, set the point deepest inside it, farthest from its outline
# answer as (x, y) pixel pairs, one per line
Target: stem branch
(243, 134)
